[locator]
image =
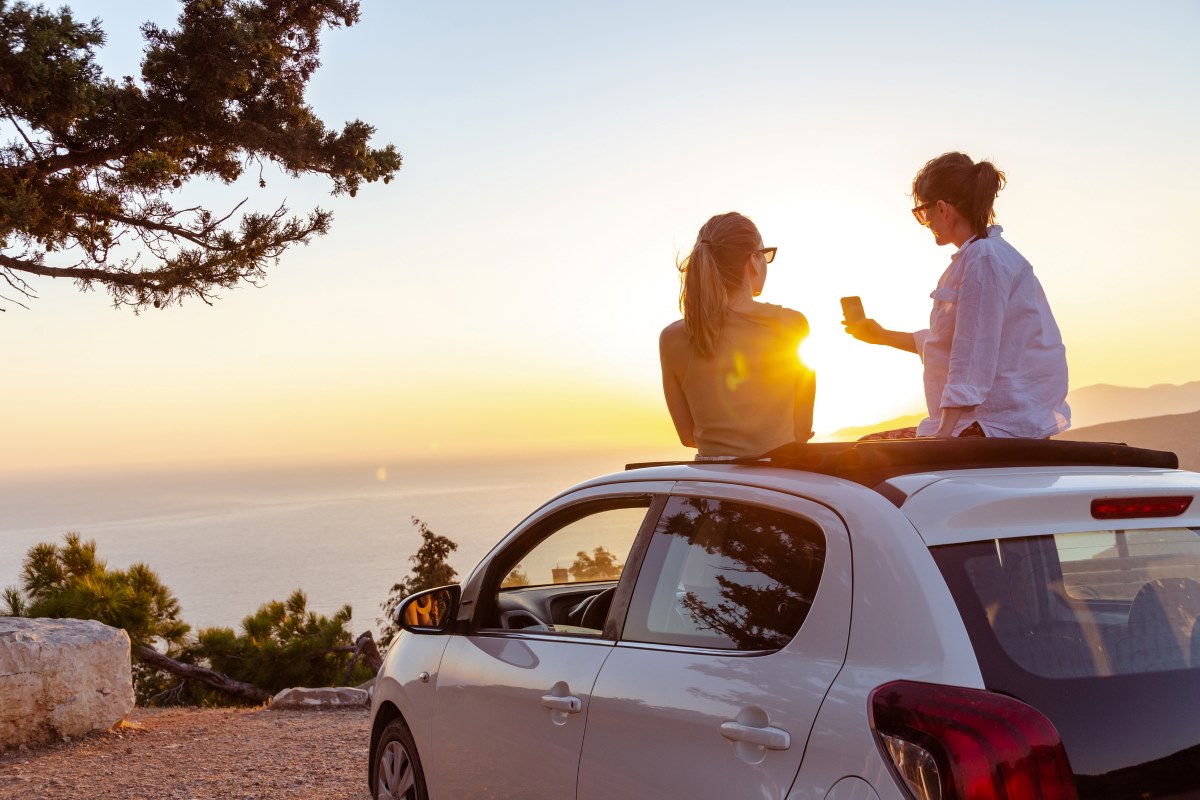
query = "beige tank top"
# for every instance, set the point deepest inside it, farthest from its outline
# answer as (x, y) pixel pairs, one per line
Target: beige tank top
(742, 397)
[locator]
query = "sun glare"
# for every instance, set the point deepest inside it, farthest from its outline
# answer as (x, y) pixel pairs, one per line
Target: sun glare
(856, 384)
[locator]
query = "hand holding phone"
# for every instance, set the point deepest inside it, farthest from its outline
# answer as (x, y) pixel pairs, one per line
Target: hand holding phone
(852, 310)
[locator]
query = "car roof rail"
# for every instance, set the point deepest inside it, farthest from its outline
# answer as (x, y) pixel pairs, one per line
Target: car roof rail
(871, 463)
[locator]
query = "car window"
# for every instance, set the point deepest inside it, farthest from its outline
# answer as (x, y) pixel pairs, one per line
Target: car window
(726, 576)
(1087, 604)
(1115, 565)
(592, 548)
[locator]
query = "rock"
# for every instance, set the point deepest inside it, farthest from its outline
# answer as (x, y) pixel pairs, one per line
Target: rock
(61, 678)
(329, 697)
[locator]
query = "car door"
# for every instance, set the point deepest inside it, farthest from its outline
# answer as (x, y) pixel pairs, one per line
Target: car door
(513, 692)
(737, 625)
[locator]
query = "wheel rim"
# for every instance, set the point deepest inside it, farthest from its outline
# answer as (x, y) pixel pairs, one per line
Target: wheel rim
(396, 778)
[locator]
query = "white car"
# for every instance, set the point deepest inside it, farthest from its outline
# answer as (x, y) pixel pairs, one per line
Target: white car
(939, 620)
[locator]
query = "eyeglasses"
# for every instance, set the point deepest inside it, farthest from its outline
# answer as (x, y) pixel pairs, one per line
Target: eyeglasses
(768, 253)
(920, 212)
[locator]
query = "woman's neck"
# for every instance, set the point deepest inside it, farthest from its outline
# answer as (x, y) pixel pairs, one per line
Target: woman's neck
(962, 233)
(742, 299)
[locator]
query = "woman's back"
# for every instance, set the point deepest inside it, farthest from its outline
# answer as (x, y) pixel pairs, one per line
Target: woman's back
(732, 377)
(743, 396)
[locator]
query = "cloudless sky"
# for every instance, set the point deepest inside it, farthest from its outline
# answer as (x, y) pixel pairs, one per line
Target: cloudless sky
(504, 294)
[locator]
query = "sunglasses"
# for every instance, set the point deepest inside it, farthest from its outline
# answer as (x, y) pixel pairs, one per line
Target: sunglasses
(768, 253)
(921, 212)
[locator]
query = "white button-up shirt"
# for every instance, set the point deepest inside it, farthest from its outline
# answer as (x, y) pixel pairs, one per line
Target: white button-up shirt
(992, 343)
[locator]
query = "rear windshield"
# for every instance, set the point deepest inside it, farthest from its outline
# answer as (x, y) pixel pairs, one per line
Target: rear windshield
(1099, 631)
(1092, 603)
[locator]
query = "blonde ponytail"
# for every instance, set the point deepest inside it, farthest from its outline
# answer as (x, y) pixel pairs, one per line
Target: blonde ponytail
(708, 274)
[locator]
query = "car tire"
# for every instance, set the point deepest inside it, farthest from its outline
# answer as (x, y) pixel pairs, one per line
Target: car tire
(398, 773)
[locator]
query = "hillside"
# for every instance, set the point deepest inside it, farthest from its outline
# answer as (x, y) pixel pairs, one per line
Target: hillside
(1102, 403)
(852, 433)
(1177, 432)
(1091, 407)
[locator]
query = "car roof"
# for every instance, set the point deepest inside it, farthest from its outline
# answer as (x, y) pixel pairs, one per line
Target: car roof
(872, 463)
(962, 490)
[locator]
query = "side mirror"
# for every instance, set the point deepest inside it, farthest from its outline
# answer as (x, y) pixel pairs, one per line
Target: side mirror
(430, 611)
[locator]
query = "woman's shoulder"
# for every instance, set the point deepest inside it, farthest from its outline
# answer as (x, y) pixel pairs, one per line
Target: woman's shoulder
(674, 336)
(788, 318)
(674, 330)
(995, 255)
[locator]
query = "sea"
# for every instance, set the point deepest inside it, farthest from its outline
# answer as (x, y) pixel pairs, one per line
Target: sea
(227, 541)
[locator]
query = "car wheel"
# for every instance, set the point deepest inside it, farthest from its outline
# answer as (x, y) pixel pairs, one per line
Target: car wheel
(398, 773)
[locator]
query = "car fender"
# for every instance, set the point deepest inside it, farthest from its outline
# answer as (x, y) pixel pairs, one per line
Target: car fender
(408, 680)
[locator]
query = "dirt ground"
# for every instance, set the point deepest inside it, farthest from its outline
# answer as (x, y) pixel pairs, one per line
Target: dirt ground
(196, 754)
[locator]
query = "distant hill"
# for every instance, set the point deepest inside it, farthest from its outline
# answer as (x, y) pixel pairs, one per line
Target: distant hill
(1096, 405)
(1179, 433)
(852, 433)
(1091, 406)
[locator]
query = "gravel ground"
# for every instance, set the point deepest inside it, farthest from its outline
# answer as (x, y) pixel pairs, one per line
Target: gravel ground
(196, 754)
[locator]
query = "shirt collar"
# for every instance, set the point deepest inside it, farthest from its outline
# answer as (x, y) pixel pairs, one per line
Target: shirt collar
(992, 230)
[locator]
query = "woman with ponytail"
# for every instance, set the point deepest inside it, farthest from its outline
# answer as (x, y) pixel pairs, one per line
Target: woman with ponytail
(994, 360)
(732, 376)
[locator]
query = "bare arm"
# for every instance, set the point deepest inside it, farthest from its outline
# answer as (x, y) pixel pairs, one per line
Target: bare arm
(806, 395)
(672, 354)
(871, 332)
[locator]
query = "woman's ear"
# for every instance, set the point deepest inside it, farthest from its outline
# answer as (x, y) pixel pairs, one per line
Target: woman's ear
(756, 273)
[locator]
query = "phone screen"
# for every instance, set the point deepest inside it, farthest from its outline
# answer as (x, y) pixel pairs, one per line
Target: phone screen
(852, 309)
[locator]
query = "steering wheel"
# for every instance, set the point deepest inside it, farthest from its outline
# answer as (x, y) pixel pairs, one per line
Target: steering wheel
(596, 610)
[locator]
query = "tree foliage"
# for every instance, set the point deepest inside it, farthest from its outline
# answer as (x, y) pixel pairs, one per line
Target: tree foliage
(95, 163)
(68, 580)
(601, 565)
(430, 570)
(517, 576)
(281, 645)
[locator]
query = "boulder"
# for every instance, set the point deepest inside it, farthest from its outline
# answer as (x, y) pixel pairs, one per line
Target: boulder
(327, 697)
(61, 678)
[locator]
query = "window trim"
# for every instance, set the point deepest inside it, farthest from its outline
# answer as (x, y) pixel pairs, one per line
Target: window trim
(687, 648)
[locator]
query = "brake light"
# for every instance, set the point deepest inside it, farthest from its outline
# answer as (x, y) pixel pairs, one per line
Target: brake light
(951, 743)
(1131, 507)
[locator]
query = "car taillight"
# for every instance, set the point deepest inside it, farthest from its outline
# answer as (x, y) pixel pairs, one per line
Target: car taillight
(1132, 507)
(951, 743)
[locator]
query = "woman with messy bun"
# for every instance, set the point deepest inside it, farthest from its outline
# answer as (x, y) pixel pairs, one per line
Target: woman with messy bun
(994, 359)
(732, 377)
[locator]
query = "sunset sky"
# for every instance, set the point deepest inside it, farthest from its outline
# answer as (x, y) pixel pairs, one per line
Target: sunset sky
(505, 293)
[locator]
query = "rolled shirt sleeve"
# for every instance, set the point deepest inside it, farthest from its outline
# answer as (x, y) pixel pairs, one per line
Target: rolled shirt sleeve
(978, 324)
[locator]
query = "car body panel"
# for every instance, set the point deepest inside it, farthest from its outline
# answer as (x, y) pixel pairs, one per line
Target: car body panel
(852, 788)
(654, 728)
(494, 735)
(904, 625)
(968, 505)
(399, 683)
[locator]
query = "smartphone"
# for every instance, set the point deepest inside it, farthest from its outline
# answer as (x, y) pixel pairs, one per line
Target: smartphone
(852, 309)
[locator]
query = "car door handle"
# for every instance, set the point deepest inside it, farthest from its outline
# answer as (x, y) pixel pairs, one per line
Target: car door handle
(570, 704)
(770, 738)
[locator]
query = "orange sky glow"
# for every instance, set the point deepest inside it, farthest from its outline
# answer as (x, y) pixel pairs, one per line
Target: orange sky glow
(504, 294)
